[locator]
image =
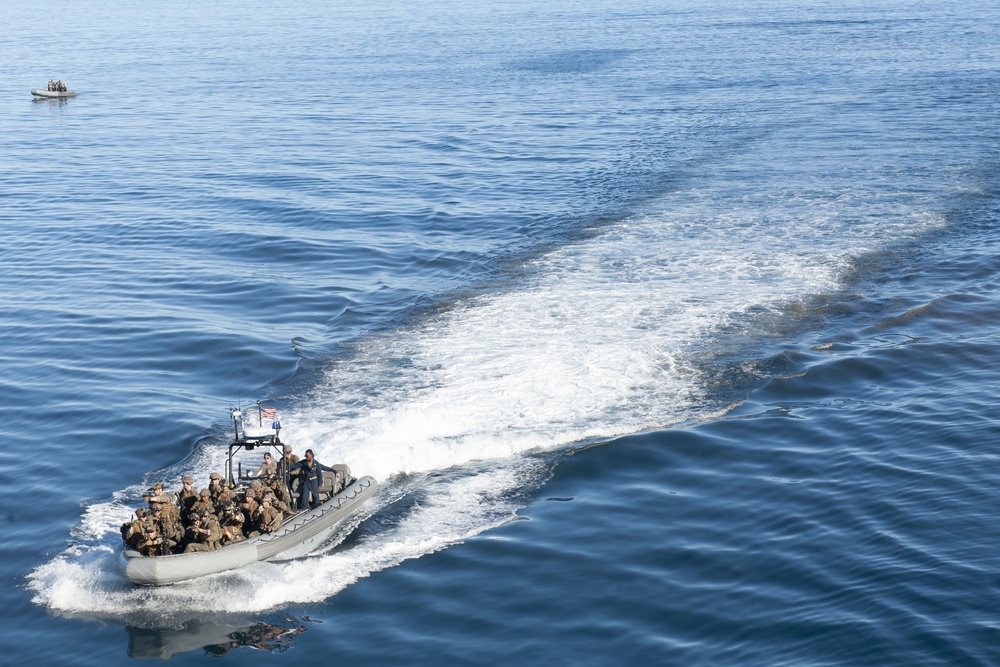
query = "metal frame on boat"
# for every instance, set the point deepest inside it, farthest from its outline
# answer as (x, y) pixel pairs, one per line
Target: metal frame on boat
(299, 534)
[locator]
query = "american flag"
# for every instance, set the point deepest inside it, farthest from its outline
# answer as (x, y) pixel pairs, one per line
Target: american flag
(269, 413)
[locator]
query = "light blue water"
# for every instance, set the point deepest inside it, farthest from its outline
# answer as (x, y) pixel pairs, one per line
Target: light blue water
(667, 328)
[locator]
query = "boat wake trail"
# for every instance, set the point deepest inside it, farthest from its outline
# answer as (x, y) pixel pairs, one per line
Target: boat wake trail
(461, 411)
(85, 580)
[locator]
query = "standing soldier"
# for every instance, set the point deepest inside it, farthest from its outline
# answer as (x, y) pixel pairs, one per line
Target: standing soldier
(156, 497)
(204, 504)
(187, 496)
(288, 457)
(165, 501)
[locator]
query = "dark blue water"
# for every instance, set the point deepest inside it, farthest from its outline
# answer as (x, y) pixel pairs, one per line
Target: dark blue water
(669, 329)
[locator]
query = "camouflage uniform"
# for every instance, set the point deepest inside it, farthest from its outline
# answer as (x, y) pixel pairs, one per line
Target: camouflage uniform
(132, 530)
(151, 543)
(170, 530)
(165, 503)
(248, 509)
(231, 534)
(215, 532)
(277, 486)
(205, 504)
(221, 493)
(279, 504)
(187, 496)
(287, 461)
(266, 520)
(203, 534)
(231, 519)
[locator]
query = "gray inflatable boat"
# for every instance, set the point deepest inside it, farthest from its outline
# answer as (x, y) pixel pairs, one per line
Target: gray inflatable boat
(52, 94)
(299, 533)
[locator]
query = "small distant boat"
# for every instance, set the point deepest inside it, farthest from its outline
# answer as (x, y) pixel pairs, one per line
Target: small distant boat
(39, 92)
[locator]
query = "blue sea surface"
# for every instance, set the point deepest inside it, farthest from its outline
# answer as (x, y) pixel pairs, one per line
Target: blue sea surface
(669, 329)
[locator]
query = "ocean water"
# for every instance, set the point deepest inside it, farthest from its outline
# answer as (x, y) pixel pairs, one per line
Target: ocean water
(668, 328)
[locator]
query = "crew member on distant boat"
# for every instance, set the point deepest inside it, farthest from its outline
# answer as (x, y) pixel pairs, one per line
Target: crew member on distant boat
(57, 86)
(310, 479)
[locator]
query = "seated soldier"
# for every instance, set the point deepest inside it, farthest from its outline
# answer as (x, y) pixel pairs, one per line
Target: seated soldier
(203, 534)
(267, 519)
(132, 530)
(231, 516)
(277, 487)
(231, 534)
(151, 542)
(248, 508)
(170, 530)
(279, 504)
(215, 530)
(221, 493)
